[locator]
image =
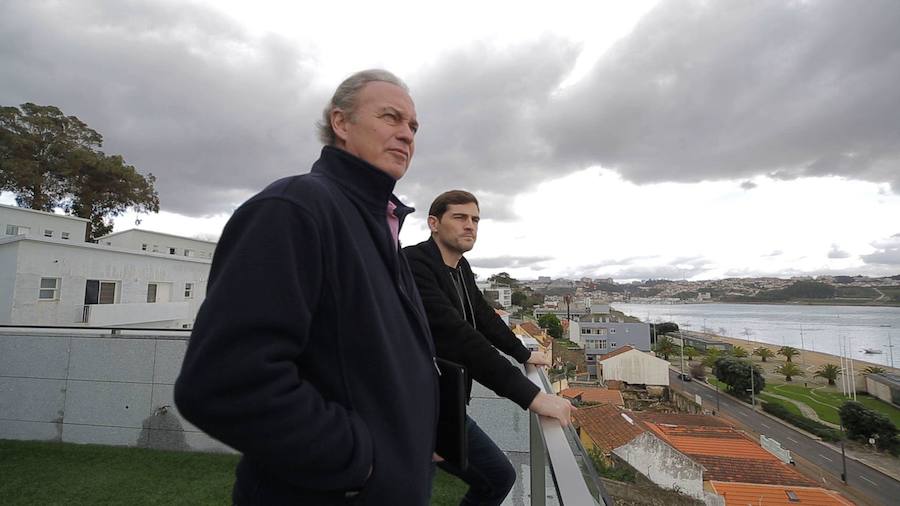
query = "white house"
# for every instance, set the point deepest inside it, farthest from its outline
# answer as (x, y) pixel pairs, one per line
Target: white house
(158, 242)
(32, 223)
(56, 279)
(633, 366)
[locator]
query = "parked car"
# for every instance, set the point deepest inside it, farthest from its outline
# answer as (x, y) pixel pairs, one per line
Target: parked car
(685, 376)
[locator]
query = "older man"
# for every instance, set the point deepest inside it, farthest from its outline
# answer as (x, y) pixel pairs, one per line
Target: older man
(311, 354)
(467, 331)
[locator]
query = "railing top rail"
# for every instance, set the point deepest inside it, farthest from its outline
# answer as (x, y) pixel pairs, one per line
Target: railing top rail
(569, 480)
(86, 327)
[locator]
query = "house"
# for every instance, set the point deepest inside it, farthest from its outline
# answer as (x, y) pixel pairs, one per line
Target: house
(599, 335)
(158, 242)
(591, 395)
(530, 329)
(631, 366)
(60, 280)
(742, 494)
(687, 452)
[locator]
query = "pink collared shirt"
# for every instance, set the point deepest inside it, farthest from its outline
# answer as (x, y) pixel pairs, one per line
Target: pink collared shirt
(393, 222)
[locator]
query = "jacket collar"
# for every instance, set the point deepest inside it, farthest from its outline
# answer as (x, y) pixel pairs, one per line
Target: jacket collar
(368, 184)
(432, 248)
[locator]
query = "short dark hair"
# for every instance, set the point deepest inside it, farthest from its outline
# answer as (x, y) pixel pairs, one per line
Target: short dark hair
(450, 198)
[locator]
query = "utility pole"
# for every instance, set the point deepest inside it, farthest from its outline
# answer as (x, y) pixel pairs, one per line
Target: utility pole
(747, 333)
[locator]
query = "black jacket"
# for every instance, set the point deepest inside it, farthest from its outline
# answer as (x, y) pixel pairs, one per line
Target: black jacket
(455, 339)
(311, 354)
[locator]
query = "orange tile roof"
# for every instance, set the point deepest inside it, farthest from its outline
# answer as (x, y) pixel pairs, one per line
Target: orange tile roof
(683, 419)
(501, 312)
(606, 425)
(742, 494)
(728, 455)
(531, 328)
(611, 354)
(598, 395)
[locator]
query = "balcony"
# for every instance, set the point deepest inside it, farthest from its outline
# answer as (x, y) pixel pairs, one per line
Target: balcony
(551, 465)
(107, 315)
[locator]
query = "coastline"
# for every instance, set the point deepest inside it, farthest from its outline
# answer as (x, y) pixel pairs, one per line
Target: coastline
(809, 360)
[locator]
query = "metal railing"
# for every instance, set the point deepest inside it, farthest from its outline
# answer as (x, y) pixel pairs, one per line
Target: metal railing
(549, 444)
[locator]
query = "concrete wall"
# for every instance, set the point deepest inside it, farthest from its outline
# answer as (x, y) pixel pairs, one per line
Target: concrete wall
(38, 221)
(8, 257)
(74, 264)
(880, 390)
(95, 389)
(663, 465)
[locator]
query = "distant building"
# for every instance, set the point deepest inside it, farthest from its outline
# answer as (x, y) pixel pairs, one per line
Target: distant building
(33, 223)
(599, 336)
(158, 242)
(502, 293)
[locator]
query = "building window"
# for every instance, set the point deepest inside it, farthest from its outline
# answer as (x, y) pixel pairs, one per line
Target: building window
(49, 289)
(64, 235)
(188, 252)
(99, 292)
(188, 290)
(48, 233)
(151, 292)
(585, 331)
(17, 230)
(155, 248)
(171, 251)
(143, 247)
(601, 344)
(613, 344)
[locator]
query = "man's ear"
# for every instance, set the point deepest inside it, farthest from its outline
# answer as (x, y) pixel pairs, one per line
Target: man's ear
(339, 123)
(432, 223)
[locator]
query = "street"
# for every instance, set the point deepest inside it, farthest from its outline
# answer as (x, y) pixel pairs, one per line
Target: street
(868, 481)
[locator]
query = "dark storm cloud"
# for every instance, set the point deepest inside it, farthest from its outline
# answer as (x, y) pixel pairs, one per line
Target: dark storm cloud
(508, 262)
(178, 90)
(714, 90)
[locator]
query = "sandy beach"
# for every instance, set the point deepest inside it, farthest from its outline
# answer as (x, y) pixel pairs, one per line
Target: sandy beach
(809, 361)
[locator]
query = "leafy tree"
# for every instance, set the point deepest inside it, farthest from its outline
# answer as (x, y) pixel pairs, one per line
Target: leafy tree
(763, 353)
(788, 352)
(739, 352)
(698, 371)
(789, 370)
(50, 160)
(829, 372)
(735, 373)
(552, 324)
(863, 423)
(690, 351)
(873, 369)
(712, 354)
(665, 347)
(663, 328)
(503, 278)
(519, 298)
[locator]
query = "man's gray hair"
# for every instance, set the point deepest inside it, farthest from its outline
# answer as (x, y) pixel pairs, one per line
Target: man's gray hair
(345, 99)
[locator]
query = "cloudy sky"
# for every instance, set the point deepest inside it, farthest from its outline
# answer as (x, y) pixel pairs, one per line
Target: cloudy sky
(630, 140)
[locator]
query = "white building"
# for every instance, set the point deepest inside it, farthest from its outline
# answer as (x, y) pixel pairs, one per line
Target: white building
(634, 367)
(31, 223)
(158, 242)
(503, 292)
(50, 280)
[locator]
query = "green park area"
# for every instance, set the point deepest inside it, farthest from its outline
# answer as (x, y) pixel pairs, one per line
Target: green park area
(43, 474)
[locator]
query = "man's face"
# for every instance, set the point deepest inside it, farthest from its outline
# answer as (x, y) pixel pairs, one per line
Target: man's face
(457, 229)
(382, 129)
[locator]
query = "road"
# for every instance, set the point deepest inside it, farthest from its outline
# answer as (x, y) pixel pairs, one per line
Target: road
(868, 481)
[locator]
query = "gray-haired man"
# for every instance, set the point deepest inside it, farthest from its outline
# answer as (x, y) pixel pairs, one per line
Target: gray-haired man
(311, 353)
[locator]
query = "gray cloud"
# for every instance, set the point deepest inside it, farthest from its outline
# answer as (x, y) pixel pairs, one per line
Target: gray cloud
(698, 91)
(508, 262)
(836, 252)
(179, 90)
(637, 268)
(748, 185)
(775, 253)
(887, 252)
(714, 90)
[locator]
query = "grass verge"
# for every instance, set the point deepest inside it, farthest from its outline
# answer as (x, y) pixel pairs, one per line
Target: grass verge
(46, 474)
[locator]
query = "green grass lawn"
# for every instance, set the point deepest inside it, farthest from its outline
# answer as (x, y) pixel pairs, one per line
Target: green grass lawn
(45, 474)
(790, 406)
(827, 402)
